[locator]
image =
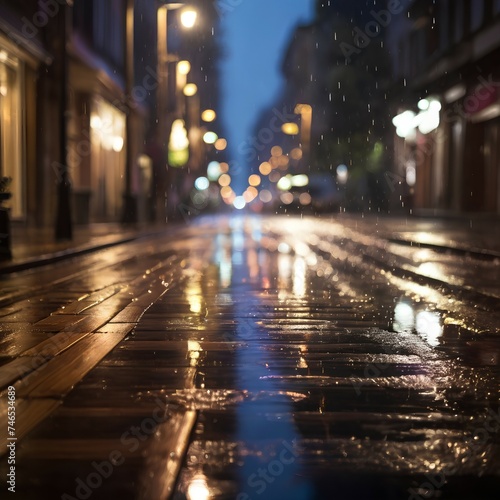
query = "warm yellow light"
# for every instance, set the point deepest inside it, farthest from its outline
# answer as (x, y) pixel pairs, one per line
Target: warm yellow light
(250, 194)
(184, 67)
(305, 199)
(224, 167)
(283, 162)
(265, 168)
(190, 89)
(224, 180)
(229, 200)
(254, 180)
(198, 489)
(285, 183)
(266, 196)
(301, 109)
(300, 180)
(178, 145)
(274, 176)
(226, 192)
(188, 17)
(290, 128)
(296, 154)
(208, 115)
(276, 151)
(220, 144)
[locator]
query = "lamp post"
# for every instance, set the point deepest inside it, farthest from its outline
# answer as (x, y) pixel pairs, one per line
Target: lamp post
(188, 19)
(129, 214)
(64, 224)
(305, 112)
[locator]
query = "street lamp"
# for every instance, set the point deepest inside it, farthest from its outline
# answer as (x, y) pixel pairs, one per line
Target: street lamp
(188, 19)
(305, 112)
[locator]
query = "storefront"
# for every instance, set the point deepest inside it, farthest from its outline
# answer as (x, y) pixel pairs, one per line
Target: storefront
(107, 165)
(12, 129)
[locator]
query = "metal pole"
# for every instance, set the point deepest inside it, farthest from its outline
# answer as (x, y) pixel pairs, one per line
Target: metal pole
(129, 214)
(64, 226)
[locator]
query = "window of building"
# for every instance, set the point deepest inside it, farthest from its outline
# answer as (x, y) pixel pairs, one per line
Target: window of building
(477, 15)
(107, 125)
(444, 23)
(433, 33)
(11, 130)
(458, 24)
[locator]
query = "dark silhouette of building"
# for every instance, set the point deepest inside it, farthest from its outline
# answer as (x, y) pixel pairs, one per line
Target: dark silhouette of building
(446, 53)
(78, 88)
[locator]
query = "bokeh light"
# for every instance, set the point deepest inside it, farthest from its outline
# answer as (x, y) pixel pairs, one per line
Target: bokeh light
(224, 180)
(210, 137)
(276, 151)
(220, 144)
(209, 115)
(254, 180)
(190, 89)
(201, 183)
(265, 168)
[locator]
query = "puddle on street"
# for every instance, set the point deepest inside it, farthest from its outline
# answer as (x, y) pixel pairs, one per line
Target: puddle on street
(323, 382)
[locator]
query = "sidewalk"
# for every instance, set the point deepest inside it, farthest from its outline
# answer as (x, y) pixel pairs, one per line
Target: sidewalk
(34, 247)
(475, 234)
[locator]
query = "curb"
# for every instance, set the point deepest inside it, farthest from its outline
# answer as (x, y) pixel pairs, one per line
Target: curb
(52, 258)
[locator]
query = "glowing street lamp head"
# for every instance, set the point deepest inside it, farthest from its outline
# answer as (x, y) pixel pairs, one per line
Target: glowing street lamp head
(190, 89)
(290, 128)
(208, 115)
(184, 67)
(188, 17)
(178, 145)
(302, 109)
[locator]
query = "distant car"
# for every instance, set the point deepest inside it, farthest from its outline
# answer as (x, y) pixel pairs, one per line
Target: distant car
(325, 193)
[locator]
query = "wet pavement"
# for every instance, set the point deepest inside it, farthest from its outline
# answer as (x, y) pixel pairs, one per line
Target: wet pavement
(253, 358)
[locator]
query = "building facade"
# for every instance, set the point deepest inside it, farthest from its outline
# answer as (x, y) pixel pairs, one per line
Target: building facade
(78, 90)
(446, 105)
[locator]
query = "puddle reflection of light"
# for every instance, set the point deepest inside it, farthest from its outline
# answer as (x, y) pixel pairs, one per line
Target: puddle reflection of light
(256, 230)
(264, 263)
(237, 258)
(431, 269)
(253, 264)
(299, 277)
(194, 296)
(284, 272)
(223, 259)
(302, 363)
(404, 317)
(194, 350)
(225, 273)
(284, 247)
(428, 325)
(238, 241)
(198, 489)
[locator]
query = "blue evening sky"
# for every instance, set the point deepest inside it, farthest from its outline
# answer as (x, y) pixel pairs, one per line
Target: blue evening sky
(255, 35)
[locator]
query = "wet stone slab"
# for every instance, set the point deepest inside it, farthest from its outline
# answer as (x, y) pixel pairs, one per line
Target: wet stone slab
(270, 368)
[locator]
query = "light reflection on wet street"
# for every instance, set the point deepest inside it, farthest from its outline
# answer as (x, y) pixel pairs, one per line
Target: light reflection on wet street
(338, 373)
(303, 358)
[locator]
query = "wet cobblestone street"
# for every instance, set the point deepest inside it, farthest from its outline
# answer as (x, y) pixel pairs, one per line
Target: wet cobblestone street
(253, 358)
